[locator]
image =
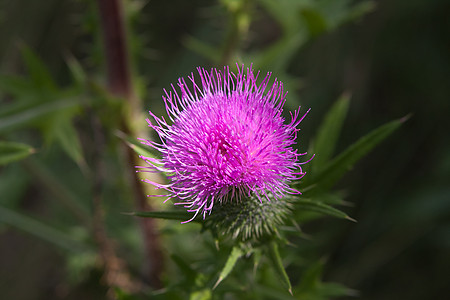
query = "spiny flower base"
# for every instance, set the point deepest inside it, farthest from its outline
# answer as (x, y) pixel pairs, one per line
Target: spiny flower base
(251, 219)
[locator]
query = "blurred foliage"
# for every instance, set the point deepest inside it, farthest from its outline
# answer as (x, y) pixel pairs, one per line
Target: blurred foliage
(391, 56)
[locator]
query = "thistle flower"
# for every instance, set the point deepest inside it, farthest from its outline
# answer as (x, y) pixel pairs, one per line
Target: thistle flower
(226, 141)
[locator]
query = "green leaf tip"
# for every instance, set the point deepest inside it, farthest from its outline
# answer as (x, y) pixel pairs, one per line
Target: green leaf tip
(337, 167)
(320, 207)
(12, 151)
(329, 132)
(275, 258)
(235, 254)
(405, 118)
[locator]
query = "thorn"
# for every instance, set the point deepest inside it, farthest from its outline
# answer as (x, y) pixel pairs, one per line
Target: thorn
(346, 95)
(217, 283)
(128, 213)
(406, 118)
(351, 219)
(290, 292)
(216, 243)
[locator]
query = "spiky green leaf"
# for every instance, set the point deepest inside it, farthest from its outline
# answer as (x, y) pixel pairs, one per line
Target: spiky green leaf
(38, 71)
(11, 151)
(275, 259)
(328, 133)
(335, 169)
(235, 254)
(319, 207)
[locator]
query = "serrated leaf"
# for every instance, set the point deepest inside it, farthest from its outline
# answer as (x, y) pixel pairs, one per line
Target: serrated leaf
(11, 151)
(275, 259)
(40, 230)
(315, 206)
(235, 254)
(328, 133)
(168, 215)
(334, 170)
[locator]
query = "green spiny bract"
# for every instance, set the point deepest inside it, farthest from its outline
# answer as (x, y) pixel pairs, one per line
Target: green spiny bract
(252, 219)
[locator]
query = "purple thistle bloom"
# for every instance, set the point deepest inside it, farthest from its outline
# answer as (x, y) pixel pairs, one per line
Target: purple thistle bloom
(227, 140)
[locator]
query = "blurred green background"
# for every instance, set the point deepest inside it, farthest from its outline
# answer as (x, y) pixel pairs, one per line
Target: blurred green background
(394, 60)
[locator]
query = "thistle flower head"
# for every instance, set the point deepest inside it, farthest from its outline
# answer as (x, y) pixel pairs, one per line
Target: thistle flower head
(226, 140)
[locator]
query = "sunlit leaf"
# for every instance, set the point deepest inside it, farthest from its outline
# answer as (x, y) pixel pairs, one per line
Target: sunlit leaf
(204, 294)
(235, 254)
(11, 151)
